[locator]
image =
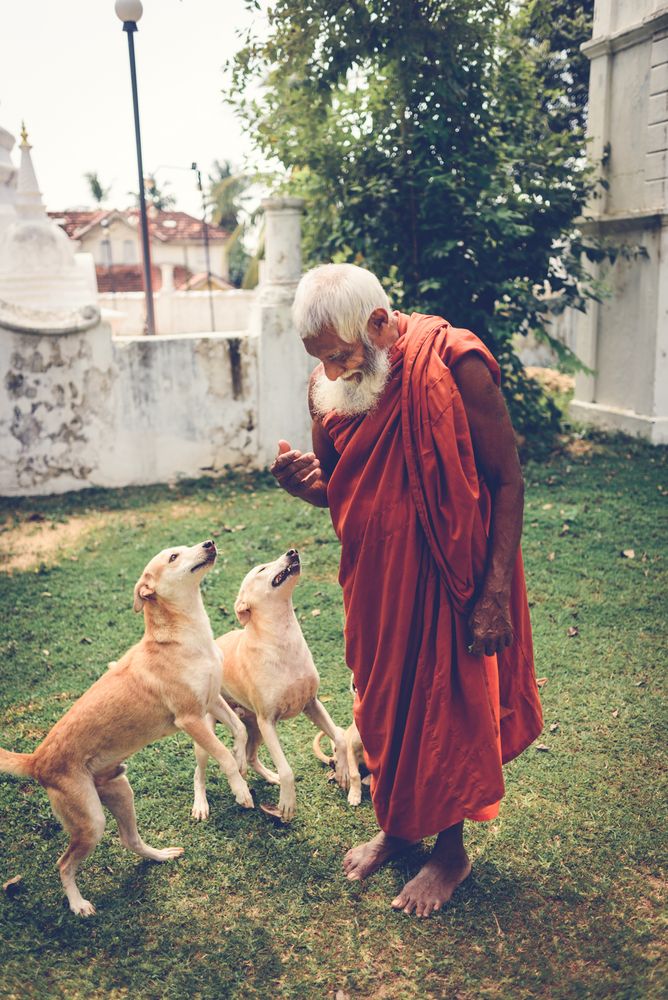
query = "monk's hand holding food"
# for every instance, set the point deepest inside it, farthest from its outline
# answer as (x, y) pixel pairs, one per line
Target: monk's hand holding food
(299, 474)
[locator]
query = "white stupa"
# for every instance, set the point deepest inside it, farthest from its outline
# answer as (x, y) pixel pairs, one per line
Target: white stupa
(45, 286)
(7, 180)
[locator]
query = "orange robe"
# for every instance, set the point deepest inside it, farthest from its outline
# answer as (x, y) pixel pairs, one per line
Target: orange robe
(412, 516)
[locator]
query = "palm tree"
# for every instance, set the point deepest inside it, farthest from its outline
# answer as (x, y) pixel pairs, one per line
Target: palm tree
(97, 189)
(156, 197)
(226, 193)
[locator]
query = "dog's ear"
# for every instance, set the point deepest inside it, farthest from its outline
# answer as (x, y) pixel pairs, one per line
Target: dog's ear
(144, 591)
(242, 610)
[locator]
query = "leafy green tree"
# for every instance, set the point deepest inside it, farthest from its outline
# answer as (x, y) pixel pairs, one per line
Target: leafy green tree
(430, 148)
(555, 29)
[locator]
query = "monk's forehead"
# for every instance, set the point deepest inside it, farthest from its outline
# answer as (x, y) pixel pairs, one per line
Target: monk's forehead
(327, 340)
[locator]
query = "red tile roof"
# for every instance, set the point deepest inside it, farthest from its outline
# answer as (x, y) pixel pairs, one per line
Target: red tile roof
(167, 227)
(130, 278)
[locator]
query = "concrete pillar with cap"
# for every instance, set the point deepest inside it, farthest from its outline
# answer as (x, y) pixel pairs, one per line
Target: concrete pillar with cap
(283, 364)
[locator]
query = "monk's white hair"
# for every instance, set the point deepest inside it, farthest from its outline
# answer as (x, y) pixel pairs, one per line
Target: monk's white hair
(339, 297)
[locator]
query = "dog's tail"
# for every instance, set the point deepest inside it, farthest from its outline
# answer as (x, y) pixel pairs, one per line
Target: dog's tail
(20, 764)
(318, 751)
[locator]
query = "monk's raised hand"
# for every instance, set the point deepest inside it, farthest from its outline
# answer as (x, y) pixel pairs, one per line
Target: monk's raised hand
(296, 472)
(490, 626)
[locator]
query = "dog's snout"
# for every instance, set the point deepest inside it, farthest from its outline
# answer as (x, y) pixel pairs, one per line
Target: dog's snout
(208, 545)
(291, 553)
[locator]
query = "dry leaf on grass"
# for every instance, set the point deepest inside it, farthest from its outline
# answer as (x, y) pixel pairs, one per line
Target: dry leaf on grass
(573, 630)
(541, 746)
(13, 885)
(628, 554)
(554, 728)
(551, 556)
(315, 612)
(615, 713)
(541, 681)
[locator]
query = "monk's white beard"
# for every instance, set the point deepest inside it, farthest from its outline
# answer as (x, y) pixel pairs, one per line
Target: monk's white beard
(350, 397)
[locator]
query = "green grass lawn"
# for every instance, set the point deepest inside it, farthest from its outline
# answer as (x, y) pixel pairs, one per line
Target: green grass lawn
(566, 892)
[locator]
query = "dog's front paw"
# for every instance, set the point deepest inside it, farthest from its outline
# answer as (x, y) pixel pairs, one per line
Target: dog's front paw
(169, 853)
(242, 793)
(355, 793)
(83, 908)
(200, 810)
(287, 807)
(343, 776)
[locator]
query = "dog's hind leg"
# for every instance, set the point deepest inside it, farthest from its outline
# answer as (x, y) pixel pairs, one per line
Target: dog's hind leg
(116, 794)
(222, 711)
(77, 805)
(254, 743)
(321, 718)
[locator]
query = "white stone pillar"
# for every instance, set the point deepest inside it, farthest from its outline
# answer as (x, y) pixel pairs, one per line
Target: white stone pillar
(167, 274)
(624, 338)
(283, 364)
(283, 252)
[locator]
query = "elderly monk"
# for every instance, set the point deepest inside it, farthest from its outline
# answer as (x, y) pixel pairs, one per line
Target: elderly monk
(414, 454)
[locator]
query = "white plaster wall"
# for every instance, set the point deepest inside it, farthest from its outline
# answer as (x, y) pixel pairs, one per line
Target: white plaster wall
(179, 312)
(619, 14)
(89, 409)
(185, 406)
(625, 356)
(629, 96)
(83, 410)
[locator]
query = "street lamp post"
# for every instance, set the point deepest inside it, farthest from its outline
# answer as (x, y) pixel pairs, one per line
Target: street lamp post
(205, 229)
(129, 12)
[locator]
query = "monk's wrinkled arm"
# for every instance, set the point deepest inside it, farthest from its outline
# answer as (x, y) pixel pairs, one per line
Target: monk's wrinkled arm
(499, 465)
(306, 475)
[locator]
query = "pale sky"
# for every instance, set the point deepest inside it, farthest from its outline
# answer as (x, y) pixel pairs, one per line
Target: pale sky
(64, 68)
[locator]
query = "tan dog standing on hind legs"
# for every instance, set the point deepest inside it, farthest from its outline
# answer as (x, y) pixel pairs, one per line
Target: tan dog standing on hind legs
(169, 680)
(269, 675)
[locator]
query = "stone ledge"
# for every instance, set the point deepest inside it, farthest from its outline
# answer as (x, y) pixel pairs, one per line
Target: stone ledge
(644, 219)
(612, 418)
(23, 319)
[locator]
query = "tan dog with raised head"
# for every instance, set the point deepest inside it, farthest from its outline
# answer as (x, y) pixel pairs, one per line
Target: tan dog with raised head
(269, 675)
(169, 680)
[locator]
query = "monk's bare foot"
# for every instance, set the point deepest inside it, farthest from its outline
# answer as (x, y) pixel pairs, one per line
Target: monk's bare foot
(433, 885)
(367, 858)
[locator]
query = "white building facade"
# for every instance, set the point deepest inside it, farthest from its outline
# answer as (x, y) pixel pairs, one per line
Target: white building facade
(624, 339)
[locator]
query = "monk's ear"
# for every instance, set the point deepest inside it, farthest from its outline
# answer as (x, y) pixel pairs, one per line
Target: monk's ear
(377, 323)
(242, 610)
(144, 591)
